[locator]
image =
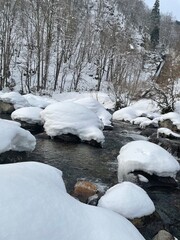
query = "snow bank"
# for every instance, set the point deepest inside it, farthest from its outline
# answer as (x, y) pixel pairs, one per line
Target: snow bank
(68, 117)
(127, 199)
(34, 205)
(28, 114)
(38, 101)
(15, 98)
(148, 157)
(13, 137)
(142, 107)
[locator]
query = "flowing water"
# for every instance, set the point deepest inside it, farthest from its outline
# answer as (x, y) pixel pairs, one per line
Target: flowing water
(99, 165)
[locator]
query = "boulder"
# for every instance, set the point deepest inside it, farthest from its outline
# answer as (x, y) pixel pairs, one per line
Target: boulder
(83, 190)
(163, 235)
(6, 108)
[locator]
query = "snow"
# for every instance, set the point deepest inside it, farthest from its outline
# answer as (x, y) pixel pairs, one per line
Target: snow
(177, 106)
(101, 97)
(142, 107)
(15, 98)
(28, 114)
(38, 101)
(127, 199)
(173, 116)
(34, 205)
(97, 108)
(68, 117)
(139, 120)
(13, 137)
(167, 132)
(148, 157)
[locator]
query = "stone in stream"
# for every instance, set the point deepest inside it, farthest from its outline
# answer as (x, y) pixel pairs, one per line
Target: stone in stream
(83, 190)
(163, 235)
(6, 108)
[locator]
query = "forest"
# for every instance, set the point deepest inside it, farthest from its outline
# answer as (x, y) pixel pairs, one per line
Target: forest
(118, 46)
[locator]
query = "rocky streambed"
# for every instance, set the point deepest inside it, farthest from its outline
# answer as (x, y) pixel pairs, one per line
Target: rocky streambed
(80, 161)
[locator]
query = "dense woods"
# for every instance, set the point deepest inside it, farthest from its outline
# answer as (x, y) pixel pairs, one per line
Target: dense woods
(55, 45)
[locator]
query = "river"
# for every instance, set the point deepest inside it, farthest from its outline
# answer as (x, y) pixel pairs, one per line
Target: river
(99, 165)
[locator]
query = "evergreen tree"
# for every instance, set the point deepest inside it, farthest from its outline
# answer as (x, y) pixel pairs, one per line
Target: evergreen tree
(155, 24)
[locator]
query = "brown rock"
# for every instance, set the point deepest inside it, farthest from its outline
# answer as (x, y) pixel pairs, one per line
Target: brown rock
(83, 190)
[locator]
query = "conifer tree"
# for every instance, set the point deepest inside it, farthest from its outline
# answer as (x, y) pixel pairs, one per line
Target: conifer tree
(155, 24)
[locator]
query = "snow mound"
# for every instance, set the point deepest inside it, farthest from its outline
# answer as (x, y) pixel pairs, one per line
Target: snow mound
(148, 157)
(38, 101)
(13, 137)
(127, 199)
(101, 97)
(34, 205)
(15, 98)
(142, 107)
(68, 117)
(97, 108)
(28, 114)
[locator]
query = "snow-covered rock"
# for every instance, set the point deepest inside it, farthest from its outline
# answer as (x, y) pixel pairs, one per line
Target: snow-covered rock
(97, 108)
(167, 132)
(139, 120)
(142, 107)
(170, 120)
(127, 199)
(101, 97)
(13, 137)
(28, 114)
(38, 101)
(14, 98)
(148, 157)
(68, 117)
(35, 205)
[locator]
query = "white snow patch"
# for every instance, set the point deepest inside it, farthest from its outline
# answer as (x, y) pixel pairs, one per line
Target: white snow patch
(172, 116)
(13, 137)
(148, 157)
(38, 101)
(28, 114)
(68, 117)
(34, 205)
(101, 97)
(139, 120)
(15, 98)
(127, 199)
(167, 132)
(97, 108)
(142, 107)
